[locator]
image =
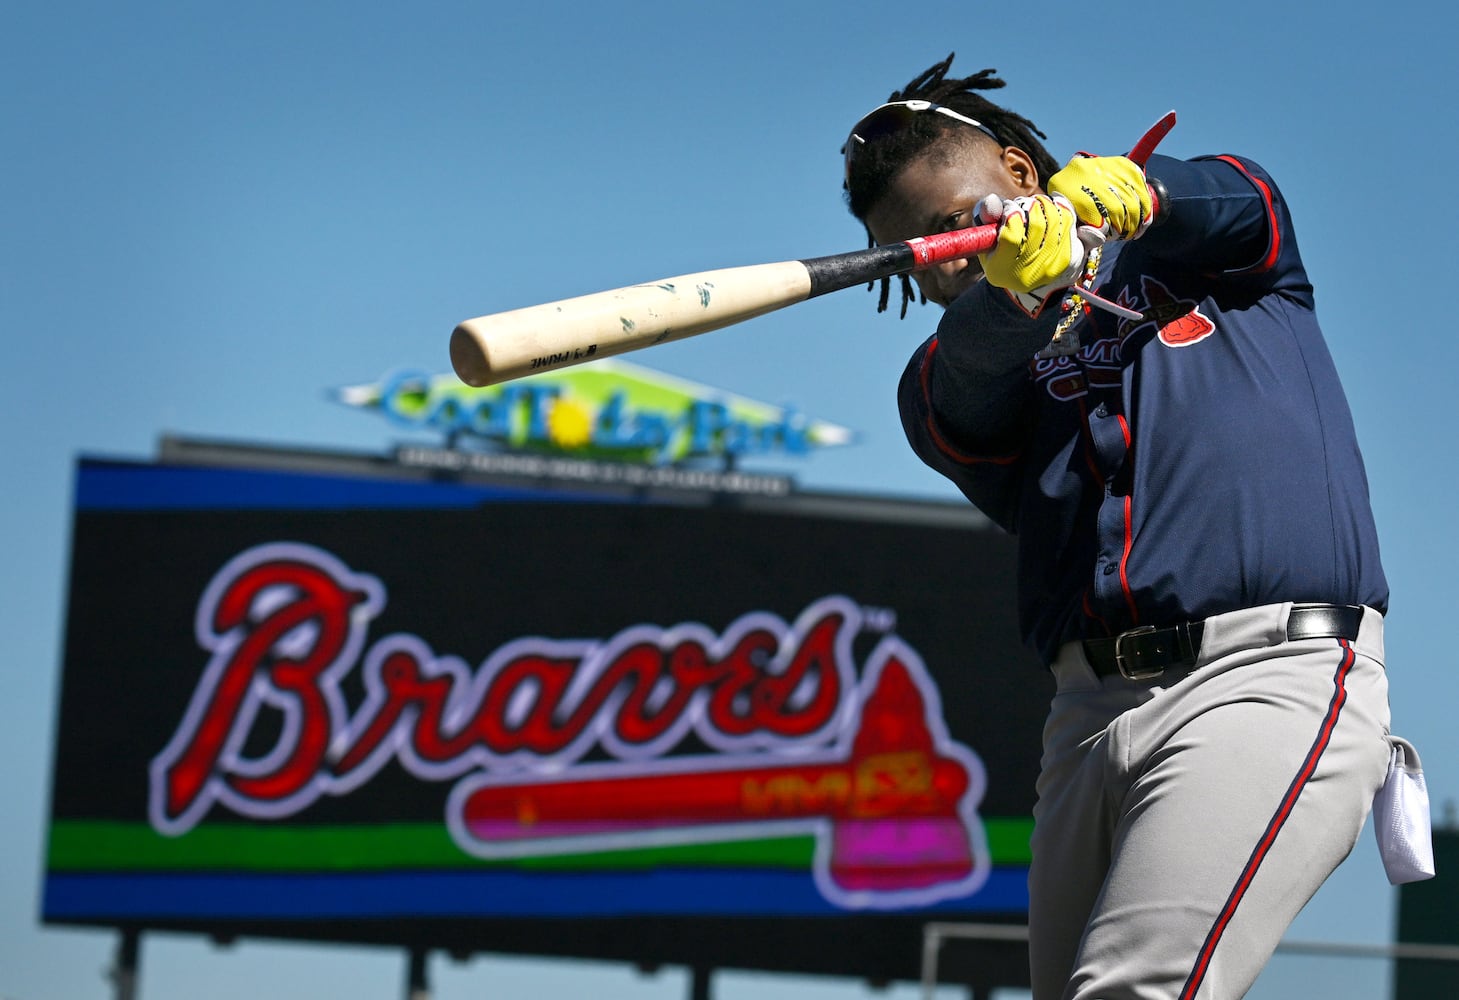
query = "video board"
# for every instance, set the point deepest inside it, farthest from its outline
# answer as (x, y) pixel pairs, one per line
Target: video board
(533, 717)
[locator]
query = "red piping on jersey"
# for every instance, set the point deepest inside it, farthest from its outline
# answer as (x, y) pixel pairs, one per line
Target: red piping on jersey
(941, 443)
(1284, 811)
(1275, 246)
(1124, 564)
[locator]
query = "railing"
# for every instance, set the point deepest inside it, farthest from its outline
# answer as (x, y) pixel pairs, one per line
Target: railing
(934, 934)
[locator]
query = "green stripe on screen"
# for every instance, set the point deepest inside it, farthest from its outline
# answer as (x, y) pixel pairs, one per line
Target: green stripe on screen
(99, 845)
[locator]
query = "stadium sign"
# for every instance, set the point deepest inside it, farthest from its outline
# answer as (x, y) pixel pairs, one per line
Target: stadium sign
(333, 700)
(609, 410)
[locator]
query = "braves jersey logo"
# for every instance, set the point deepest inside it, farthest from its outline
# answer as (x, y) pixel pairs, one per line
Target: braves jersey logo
(1064, 378)
(1179, 323)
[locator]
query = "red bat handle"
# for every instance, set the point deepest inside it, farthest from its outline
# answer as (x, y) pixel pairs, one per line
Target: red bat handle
(1140, 154)
(929, 250)
(1141, 151)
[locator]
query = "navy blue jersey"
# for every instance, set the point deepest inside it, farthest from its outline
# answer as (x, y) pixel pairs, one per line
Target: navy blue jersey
(1199, 460)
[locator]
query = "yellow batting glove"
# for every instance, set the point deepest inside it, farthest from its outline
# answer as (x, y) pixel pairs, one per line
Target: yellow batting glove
(1108, 193)
(1038, 250)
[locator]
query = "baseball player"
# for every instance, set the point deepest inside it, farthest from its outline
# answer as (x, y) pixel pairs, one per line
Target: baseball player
(1198, 563)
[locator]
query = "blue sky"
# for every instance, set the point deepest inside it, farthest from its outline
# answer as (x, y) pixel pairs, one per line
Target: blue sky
(214, 213)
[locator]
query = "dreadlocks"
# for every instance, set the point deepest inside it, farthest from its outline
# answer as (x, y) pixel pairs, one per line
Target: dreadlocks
(879, 161)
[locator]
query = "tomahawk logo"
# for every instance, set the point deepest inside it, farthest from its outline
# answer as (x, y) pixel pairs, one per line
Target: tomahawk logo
(796, 742)
(1180, 321)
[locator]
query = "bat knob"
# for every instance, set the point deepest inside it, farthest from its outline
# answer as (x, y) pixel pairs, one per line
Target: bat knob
(1160, 199)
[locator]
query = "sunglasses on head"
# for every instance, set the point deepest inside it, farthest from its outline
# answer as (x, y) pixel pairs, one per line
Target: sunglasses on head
(893, 117)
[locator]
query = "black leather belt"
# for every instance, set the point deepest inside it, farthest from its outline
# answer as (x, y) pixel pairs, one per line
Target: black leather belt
(1146, 652)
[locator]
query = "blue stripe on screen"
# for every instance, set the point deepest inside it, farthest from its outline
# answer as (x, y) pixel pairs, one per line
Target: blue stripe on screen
(474, 894)
(149, 487)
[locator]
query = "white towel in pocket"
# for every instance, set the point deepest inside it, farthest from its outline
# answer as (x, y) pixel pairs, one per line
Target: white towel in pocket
(1401, 817)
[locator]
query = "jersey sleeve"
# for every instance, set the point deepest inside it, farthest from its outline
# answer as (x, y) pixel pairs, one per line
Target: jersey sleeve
(1227, 219)
(964, 398)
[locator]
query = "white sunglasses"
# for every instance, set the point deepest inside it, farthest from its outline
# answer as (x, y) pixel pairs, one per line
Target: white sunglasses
(893, 117)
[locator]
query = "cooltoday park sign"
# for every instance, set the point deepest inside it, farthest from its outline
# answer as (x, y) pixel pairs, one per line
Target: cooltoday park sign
(609, 410)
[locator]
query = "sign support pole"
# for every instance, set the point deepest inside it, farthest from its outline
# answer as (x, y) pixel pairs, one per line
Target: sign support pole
(417, 980)
(123, 973)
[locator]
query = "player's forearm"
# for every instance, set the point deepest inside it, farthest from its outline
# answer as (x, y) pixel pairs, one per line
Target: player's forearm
(1219, 216)
(983, 411)
(974, 381)
(987, 337)
(985, 469)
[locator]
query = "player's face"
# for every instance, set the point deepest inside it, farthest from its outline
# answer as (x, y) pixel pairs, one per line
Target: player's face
(937, 192)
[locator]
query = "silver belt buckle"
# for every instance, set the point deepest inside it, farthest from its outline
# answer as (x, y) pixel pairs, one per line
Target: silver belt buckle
(1130, 672)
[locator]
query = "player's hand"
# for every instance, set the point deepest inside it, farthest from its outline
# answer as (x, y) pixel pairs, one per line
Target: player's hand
(1038, 250)
(1108, 193)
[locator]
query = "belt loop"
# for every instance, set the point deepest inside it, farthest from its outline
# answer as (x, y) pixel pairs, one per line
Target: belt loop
(1188, 634)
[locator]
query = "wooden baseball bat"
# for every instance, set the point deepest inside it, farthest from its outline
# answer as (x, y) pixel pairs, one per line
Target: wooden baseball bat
(507, 345)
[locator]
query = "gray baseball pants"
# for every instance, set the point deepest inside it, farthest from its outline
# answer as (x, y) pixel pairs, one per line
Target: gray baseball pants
(1182, 822)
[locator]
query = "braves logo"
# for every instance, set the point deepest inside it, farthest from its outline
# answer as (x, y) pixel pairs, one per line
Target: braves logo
(795, 742)
(1178, 323)
(1066, 378)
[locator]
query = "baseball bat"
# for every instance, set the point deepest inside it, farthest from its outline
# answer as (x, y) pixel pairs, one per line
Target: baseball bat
(507, 345)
